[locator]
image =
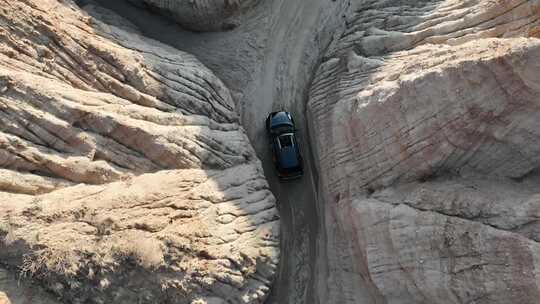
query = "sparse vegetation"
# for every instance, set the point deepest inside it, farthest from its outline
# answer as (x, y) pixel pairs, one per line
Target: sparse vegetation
(48, 260)
(4, 228)
(147, 252)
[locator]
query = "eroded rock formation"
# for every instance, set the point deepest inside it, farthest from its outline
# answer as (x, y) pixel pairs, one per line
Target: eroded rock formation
(425, 121)
(125, 176)
(201, 15)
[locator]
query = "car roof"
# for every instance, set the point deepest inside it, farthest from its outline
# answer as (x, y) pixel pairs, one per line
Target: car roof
(280, 118)
(288, 157)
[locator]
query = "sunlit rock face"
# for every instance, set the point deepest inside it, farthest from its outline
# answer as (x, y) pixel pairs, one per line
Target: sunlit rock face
(425, 118)
(125, 176)
(201, 15)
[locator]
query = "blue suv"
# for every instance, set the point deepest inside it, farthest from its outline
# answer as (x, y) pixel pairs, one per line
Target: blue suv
(285, 153)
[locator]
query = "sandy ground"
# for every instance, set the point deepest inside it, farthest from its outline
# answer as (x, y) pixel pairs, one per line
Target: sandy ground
(267, 62)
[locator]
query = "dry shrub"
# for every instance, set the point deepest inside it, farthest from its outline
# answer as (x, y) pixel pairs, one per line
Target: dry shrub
(146, 251)
(47, 260)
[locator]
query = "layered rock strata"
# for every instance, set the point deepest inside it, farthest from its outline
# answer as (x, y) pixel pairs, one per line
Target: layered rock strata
(125, 176)
(425, 121)
(201, 15)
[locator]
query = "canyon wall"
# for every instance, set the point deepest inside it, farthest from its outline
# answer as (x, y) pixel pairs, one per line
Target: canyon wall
(125, 176)
(424, 121)
(201, 15)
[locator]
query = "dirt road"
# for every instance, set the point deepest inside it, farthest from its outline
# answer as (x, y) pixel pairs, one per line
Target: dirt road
(267, 62)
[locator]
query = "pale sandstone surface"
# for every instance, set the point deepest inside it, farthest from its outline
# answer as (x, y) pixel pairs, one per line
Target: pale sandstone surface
(125, 176)
(470, 108)
(168, 237)
(424, 121)
(4, 299)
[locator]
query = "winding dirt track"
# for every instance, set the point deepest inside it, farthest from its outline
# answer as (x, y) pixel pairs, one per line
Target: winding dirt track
(267, 62)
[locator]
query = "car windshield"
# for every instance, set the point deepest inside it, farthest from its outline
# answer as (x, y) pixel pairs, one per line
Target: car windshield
(281, 129)
(286, 140)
